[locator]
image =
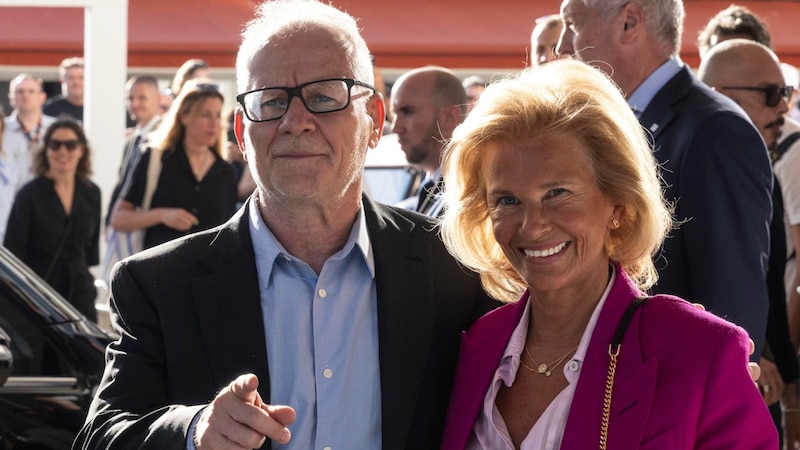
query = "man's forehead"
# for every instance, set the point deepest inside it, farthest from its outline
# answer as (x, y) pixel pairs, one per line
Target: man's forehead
(28, 83)
(271, 66)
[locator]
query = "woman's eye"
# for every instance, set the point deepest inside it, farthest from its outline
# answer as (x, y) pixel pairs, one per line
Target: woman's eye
(556, 192)
(506, 200)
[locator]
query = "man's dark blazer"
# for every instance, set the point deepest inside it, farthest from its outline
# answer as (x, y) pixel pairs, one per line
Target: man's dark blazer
(190, 320)
(716, 169)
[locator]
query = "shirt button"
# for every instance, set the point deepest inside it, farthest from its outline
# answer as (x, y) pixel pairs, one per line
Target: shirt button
(322, 293)
(327, 448)
(573, 366)
(327, 373)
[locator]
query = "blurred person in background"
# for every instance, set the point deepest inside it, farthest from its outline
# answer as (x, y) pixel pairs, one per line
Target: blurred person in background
(54, 226)
(70, 102)
(544, 39)
(749, 73)
(196, 189)
(192, 69)
(23, 132)
(427, 104)
(143, 108)
(473, 86)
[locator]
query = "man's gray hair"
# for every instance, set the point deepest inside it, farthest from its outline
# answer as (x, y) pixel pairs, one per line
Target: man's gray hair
(663, 19)
(277, 18)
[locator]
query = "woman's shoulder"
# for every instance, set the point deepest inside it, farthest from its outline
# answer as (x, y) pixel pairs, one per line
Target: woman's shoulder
(505, 317)
(90, 188)
(679, 320)
(34, 186)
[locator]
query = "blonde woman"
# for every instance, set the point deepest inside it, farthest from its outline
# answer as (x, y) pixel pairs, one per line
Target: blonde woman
(195, 187)
(553, 197)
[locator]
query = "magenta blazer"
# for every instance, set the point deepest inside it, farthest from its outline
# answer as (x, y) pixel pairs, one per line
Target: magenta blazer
(681, 381)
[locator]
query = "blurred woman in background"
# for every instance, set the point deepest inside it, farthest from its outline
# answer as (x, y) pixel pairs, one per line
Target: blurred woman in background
(54, 226)
(190, 188)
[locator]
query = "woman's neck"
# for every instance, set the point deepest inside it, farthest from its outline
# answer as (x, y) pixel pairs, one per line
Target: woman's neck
(563, 315)
(61, 179)
(193, 148)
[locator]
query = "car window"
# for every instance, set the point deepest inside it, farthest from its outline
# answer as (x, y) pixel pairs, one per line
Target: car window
(33, 354)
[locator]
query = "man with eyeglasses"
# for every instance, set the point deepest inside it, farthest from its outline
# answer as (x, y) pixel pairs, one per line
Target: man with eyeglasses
(311, 296)
(715, 167)
(24, 129)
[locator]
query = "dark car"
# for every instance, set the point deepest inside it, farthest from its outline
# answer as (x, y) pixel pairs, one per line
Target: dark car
(54, 364)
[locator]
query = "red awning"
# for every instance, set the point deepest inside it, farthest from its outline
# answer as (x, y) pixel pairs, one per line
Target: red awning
(401, 33)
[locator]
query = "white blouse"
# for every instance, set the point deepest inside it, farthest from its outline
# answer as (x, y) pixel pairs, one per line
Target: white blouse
(490, 431)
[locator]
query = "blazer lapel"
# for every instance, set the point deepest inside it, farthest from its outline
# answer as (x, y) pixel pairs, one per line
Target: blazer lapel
(481, 349)
(404, 292)
(660, 112)
(634, 382)
(227, 298)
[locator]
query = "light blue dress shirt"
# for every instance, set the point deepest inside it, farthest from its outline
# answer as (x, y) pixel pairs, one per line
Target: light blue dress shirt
(322, 339)
(644, 94)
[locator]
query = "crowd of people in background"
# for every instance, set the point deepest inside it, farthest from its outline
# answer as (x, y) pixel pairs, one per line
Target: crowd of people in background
(727, 155)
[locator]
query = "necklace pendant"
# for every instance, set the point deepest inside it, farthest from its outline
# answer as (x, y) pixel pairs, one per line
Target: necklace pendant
(548, 373)
(542, 368)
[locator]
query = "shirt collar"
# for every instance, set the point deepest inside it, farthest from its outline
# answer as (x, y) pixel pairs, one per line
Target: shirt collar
(644, 94)
(435, 176)
(144, 129)
(267, 247)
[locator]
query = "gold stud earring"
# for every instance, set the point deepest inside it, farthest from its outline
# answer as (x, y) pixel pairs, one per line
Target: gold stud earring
(615, 222)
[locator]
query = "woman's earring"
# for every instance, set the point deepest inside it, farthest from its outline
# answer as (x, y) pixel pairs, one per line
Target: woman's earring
(615, 222)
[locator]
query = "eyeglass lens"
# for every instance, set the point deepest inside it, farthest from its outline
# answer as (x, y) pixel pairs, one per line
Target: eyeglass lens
(318, 97)
(55, 144)
(775, 93)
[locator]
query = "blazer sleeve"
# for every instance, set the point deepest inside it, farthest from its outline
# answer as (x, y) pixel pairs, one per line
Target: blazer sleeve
(732, 402)
(129, 409)
(725, 193)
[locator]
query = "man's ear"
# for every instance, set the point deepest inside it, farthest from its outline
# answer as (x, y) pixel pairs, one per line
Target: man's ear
(238, 130)
(450, 117)
(377, 111)
(633, 21)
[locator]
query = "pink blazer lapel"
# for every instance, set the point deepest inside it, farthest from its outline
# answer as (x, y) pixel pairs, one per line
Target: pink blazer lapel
(634, 382)
(481, 349)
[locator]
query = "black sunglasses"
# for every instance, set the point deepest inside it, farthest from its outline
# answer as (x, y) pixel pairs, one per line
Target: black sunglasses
(773, 92)
(55, 144)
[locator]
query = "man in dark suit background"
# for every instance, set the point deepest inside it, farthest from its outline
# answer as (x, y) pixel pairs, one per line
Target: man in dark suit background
(714, 163)
(428, 103)
(312, 296)
(749, 73)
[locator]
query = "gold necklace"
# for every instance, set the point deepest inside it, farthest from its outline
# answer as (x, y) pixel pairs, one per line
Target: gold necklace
(545, 369)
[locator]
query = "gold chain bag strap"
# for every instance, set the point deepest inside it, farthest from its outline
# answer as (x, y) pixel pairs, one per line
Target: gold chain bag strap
(613, 351)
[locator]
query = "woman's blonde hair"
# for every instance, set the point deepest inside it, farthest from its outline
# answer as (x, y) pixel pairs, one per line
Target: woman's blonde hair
(171, 131)
(561, 97)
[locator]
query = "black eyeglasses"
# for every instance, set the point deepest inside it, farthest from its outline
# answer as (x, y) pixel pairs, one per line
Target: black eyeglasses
(773, 92)
(71, 145)
(321, 96)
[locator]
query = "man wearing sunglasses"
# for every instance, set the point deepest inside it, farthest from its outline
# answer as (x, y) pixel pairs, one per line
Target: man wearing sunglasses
(749, 73)
(311, 296)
